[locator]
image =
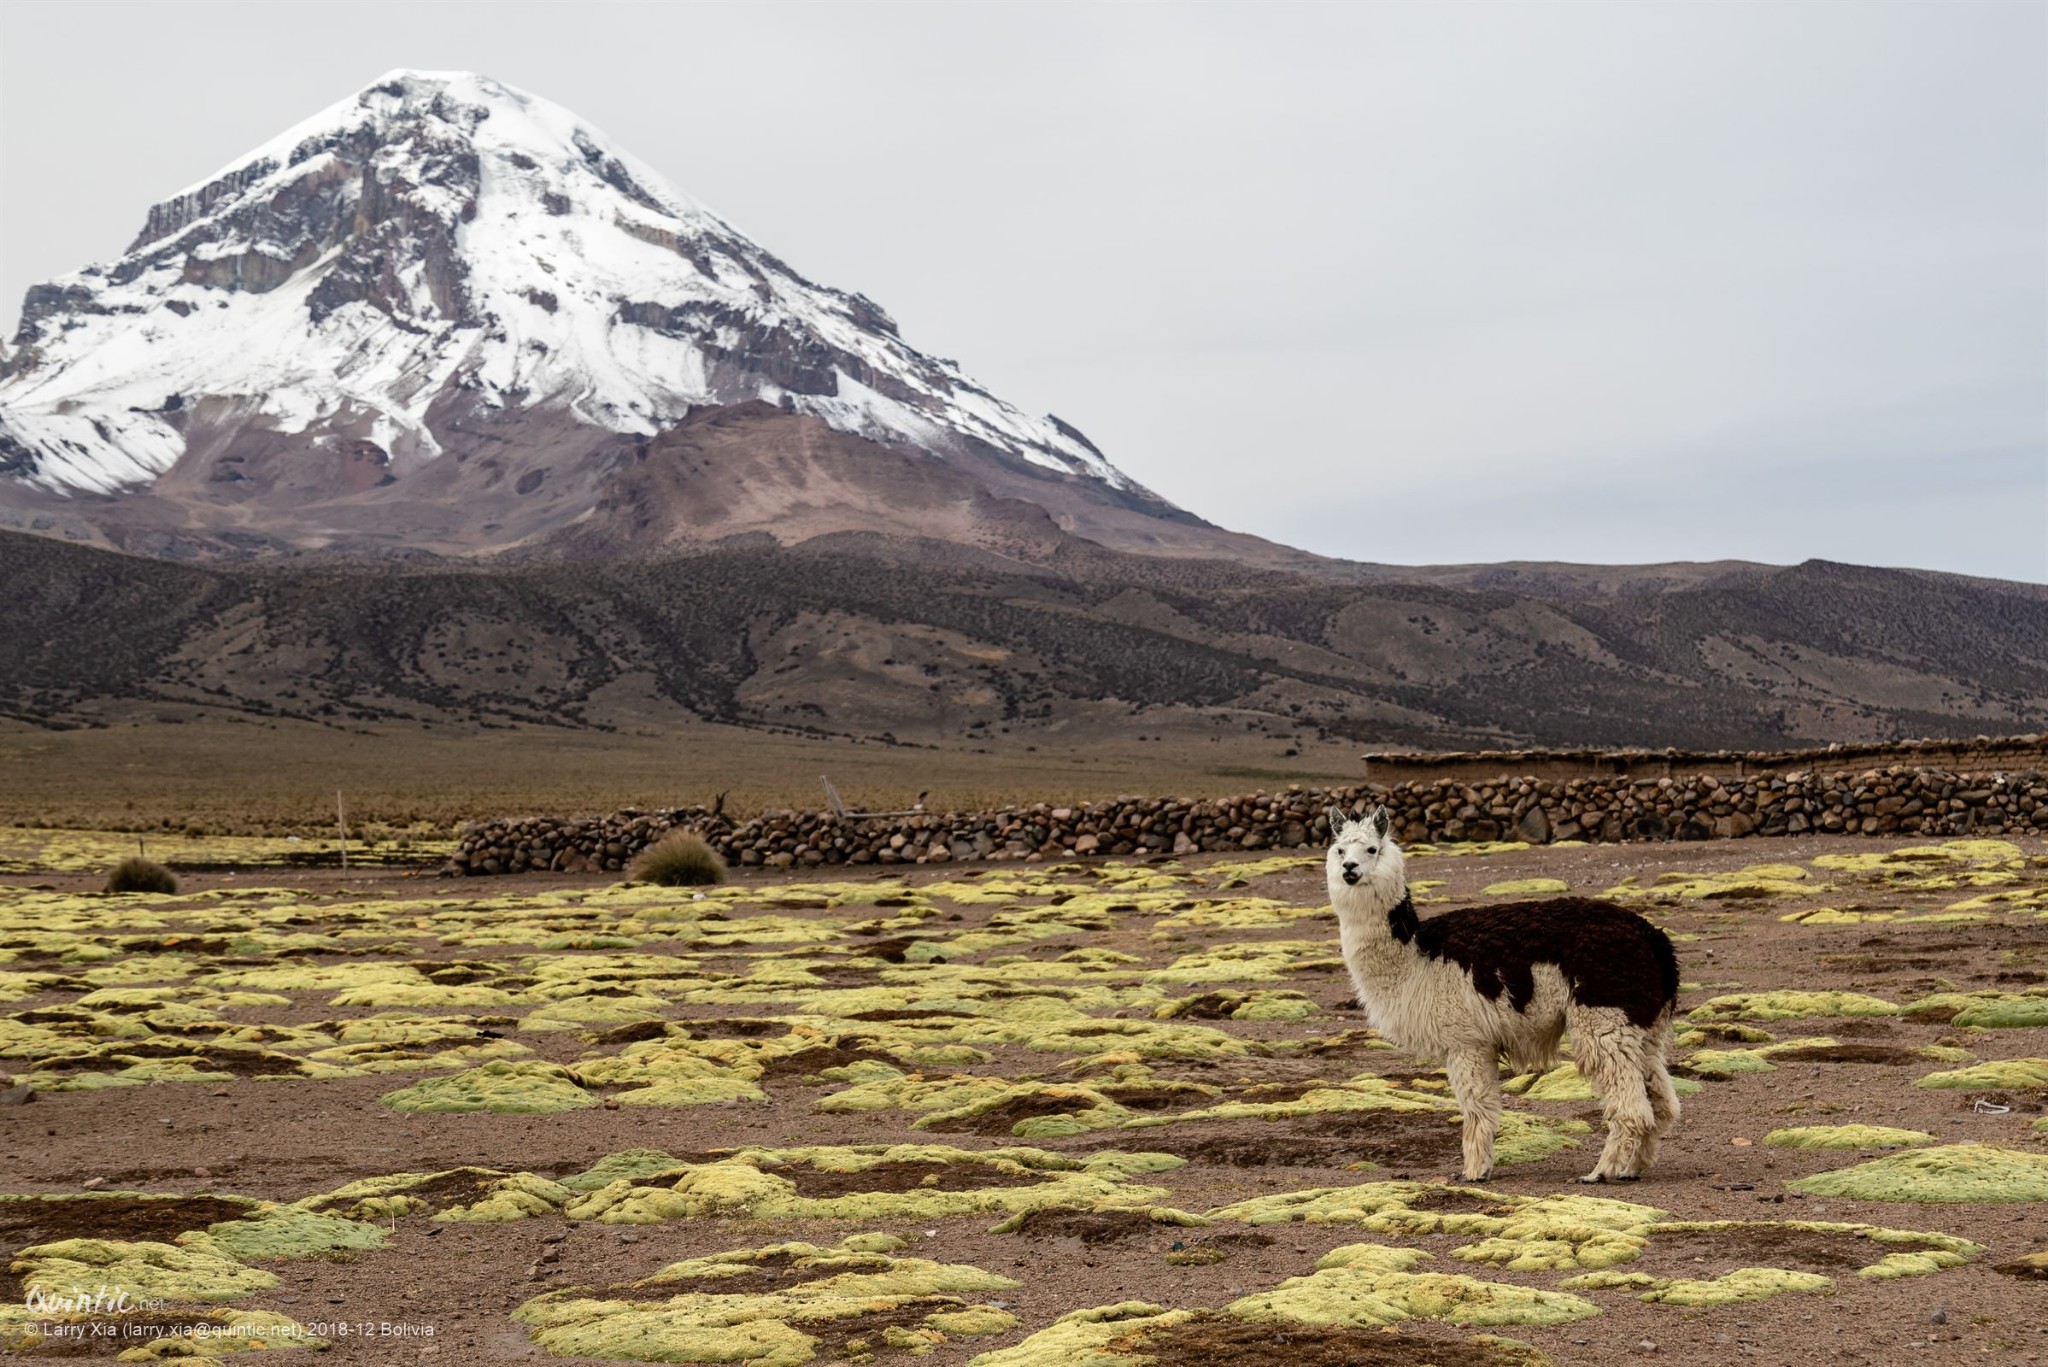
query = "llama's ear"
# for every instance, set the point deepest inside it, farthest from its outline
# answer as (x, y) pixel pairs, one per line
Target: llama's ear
(1337, 821)
(1380, 820)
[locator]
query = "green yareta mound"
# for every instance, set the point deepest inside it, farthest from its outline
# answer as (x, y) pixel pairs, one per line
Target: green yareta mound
(780, 1306)
(1139, 1334)
(1847, 1137)
(2008, 1073)
(1951, 1174)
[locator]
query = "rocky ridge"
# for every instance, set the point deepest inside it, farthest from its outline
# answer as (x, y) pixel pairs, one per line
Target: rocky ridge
(856, 646)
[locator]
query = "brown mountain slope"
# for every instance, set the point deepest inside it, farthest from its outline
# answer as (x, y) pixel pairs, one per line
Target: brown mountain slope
(753, 470)
(858, 644)
(537, 486)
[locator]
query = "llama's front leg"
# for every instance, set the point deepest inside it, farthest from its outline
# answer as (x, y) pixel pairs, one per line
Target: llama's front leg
(1475, 1081)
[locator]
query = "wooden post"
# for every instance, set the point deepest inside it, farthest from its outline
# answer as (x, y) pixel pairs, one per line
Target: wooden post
(341, 824)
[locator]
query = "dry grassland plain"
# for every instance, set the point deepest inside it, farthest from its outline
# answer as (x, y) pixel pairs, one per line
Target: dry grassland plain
(1107, 1113)
(217, 776)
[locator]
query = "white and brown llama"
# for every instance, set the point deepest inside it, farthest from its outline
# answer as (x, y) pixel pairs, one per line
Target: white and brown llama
(1472, 986)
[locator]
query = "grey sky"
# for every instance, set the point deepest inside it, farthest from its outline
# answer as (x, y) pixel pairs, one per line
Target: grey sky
(1432, 282)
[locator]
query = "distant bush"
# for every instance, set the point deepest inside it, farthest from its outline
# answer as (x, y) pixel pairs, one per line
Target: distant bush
(136, 874)
(680, 859)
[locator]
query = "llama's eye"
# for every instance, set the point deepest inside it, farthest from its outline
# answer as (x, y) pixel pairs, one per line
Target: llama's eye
(1372, 849)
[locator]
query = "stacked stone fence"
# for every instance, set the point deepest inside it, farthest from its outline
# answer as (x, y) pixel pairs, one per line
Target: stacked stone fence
(1898, 800)
(1979, 754)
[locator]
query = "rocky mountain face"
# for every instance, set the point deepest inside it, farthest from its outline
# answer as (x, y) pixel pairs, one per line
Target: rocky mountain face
(446, 317)
(843, 642)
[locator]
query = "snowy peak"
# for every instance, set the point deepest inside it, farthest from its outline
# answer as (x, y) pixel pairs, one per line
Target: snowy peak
(441, 252)
(450, 108)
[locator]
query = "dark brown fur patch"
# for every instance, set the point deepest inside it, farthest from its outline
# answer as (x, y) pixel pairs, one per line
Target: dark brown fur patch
(1402, 920)
(1608, 956)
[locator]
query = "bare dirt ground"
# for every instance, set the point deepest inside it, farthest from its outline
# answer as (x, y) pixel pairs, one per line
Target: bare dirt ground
(255, 1037)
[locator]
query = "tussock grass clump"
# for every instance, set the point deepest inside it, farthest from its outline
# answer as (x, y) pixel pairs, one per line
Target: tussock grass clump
(136, 874)
(679, 859)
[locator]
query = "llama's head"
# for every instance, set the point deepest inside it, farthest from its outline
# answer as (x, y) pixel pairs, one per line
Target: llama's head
(1362, 849)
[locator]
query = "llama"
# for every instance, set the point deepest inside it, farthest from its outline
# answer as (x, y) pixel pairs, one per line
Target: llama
(1470, 986)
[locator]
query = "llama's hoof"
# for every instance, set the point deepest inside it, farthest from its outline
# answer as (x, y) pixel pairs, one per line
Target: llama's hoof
(1626, 1177)
(1482, 1177)
(1592, 1179)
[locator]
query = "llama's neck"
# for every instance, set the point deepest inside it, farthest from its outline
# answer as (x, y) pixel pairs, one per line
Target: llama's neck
(1376, 922)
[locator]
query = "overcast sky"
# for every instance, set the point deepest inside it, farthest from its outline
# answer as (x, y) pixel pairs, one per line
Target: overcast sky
(1402, 282)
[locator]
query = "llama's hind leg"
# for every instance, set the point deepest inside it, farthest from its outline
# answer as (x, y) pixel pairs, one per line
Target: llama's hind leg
(1475, 1081)
(1663, 1096)
(1612, 1056)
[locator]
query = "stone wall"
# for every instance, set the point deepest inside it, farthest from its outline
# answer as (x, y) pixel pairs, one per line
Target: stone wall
(1895, 800)
(1982, 754)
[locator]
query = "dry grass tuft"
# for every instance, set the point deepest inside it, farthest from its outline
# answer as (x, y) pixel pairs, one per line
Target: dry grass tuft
(679, 859)
(136, 874)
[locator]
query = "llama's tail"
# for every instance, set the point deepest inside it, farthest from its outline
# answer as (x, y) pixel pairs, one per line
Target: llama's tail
(1667, 964)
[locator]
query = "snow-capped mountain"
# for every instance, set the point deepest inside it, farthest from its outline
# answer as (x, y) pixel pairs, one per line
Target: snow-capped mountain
(443, 288)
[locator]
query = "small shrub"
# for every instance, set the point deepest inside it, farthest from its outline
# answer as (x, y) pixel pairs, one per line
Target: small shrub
(679, 859)
(136, 874)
